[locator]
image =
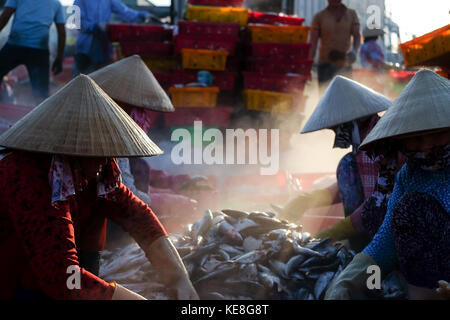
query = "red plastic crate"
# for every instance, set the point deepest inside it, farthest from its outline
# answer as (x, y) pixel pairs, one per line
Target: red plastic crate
(222, 79)
(205, 42)
(229, 30)
(299, 50)
(218, 3)
(274, 82)
(146, 49)
(272, 18)
(165, 79)
(127, 32)
(279, 65)
(216, 117)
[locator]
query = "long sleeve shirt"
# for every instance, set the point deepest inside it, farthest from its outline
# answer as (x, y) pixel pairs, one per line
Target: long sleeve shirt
(38, 242)
(99, 11)
(433, 183)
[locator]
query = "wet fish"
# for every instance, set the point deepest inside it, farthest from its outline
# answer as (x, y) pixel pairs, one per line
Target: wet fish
(230, 232)
(203, 225)
(235, 213)
(322, 283)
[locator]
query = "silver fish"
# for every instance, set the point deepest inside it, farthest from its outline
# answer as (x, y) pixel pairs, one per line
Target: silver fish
(230, 232)
(322, 283)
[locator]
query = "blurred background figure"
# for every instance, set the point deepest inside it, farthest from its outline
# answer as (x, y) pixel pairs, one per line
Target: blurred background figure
(93, 49)
(372, 56)
(335, 26)
(28, 41)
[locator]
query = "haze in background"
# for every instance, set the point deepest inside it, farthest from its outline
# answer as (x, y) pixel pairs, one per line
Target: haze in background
(418, 17)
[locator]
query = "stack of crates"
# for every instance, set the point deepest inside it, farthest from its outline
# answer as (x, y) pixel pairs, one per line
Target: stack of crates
(431, 49)
(207, 41)
(153, 43)
(277, 64)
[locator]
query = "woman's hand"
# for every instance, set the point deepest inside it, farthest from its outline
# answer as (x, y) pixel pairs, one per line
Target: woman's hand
(184, 290)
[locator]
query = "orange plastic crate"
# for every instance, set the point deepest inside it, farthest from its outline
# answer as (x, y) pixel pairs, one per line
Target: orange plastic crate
(200, 59)
(280, 34)
(217, 14)
(202, 97)
(269, 101)
(161, 63)
(427, 47)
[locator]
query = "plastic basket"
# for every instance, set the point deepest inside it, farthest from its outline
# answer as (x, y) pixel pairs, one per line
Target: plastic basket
(283, 34)
(161, 63)
(279, 65)
(217, 14)
(204, 59)
(206, 43)
(269, 101)
(430, 46)
(222, 79)
(165, 79)
(274, 82)
(202, 97)
(218, 3)
(273, 19)
(146, 49)
(298, 50)
(127, 32)
(229, 30)
(215, 117)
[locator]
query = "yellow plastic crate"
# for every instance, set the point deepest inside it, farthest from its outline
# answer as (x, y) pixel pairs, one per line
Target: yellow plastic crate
(161, 63)
(217, 14)
(429, 46)
(269, 101)
(189, 97)
(204, 59)
(283, 34)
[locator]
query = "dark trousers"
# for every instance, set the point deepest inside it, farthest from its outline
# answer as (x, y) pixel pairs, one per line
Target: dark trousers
(326, 72)
(35, 60)
(85, 65)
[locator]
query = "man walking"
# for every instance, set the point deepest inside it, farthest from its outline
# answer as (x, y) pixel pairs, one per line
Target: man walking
(28, 41)
(335, 26)
(93, 50)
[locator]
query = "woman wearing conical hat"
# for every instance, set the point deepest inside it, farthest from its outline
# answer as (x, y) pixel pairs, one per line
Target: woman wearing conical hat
(134, 88)
(363, 184)
(415, 234)
(131, 84)
(60, 183)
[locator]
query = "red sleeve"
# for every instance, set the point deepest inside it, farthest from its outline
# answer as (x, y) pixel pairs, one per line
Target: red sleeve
(47, 235)
(135, 216)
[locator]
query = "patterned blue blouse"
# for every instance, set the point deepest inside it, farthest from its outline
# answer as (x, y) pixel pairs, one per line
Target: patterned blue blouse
(433, 183)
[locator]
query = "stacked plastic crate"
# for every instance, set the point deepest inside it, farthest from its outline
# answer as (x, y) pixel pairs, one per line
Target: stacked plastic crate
(207, 41)
(153, 43)
(277, 65)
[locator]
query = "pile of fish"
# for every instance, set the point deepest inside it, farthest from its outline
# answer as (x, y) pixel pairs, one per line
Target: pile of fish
(237, 255)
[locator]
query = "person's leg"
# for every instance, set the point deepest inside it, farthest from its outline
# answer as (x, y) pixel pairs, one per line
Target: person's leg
(325, 73)
(10, 57)
(84, 65)
(38, 66)
(421, 232)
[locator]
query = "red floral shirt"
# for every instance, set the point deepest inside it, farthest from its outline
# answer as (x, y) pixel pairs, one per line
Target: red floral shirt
(38, 242)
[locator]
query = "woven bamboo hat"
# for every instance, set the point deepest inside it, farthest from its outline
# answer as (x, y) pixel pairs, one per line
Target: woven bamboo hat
(424, 105)
(345, 100)
(130, 81)
(80, 120)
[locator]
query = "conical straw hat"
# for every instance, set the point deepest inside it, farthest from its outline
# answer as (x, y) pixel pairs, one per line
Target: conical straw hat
(423, 105)
(345, 100)
(80, 120)
(131, 82)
